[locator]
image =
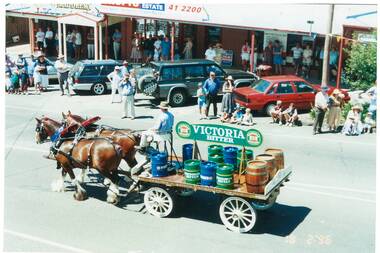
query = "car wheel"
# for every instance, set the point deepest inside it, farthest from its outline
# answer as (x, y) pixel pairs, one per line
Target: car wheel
(98, 89)
(178, 98)
(269, 108)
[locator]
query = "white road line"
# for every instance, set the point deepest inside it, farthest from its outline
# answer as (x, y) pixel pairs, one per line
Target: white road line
(28, 149)
(41, 240)
(331, 195)
(332, 187)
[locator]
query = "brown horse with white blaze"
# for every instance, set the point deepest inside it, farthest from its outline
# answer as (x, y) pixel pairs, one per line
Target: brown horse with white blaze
(98, 153)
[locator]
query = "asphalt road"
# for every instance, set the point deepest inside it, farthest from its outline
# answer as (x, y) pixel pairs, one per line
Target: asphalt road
(328, 206)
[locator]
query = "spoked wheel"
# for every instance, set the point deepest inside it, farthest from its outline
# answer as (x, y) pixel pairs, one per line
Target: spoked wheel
(237, 214)
(158, 202)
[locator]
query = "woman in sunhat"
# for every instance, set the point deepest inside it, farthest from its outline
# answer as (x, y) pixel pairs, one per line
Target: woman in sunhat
(228, 101)
(43, 64)
(353, 124)
(335, 105)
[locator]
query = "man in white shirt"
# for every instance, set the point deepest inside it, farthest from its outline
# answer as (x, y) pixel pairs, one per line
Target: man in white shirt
(321, 103)
(63, 72)
(157, 49)
(40, 37)
(210, 53)
(297, 57)
(78, 45)
(49, 41)
(115, 79)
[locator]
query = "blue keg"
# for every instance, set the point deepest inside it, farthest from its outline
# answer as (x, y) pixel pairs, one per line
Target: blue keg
(159, 163)
(187, 152)
(230, 155)
(208, 173)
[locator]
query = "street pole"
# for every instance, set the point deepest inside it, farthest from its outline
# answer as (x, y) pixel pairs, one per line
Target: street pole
(325, 69)
(252, 52)
(172, 44)
(340, 63)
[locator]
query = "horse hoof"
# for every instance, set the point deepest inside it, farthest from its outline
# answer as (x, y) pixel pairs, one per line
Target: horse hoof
(114, 200)
(80, 196)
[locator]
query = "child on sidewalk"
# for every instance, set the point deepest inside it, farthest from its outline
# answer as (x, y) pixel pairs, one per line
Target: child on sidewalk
(15, 82)
(247, 118)
(201, 95)
(24, 81)
(8, 83)
(37, 80)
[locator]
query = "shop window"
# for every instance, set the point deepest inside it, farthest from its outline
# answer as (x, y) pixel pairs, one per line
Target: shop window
(214, 34)
(292, 40)
(303, 87)
(193, 72)
(171, 74)
(284, 88)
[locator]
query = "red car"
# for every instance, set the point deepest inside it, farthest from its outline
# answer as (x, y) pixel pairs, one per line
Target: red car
(263, 94)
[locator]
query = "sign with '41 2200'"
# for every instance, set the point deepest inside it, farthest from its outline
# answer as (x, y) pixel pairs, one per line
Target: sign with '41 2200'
(219, 134)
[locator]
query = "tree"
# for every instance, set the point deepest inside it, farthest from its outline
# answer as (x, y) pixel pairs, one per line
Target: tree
(361, 65)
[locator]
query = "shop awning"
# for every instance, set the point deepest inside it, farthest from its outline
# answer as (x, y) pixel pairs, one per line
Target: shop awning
(81, 19)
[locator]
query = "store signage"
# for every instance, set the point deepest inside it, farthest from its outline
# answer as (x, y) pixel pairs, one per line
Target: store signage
(367, 38)
(145, 6)
(227, 57)
(84, 7)
(219, 134)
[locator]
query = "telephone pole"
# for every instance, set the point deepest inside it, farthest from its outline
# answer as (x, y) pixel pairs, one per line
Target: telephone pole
(325, 69)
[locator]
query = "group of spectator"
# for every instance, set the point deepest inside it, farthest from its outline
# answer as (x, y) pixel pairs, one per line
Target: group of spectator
(282, 116)
(47, 41)
(214, 52)
(333, 104)
(21, 74)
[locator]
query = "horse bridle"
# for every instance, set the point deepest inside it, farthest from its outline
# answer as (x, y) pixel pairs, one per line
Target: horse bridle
(41, 130)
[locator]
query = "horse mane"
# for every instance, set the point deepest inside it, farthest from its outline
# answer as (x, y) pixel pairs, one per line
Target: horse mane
(76, 118)
(52, 120)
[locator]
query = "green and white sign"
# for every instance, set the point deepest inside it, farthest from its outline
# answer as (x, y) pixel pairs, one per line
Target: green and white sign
(219, 134)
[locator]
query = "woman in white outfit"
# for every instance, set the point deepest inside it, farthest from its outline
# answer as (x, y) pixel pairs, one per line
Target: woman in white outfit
(115, 79)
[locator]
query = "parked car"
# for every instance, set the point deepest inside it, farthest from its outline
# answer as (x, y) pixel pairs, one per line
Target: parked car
(91, 76)
(178, 80)
(263, 94)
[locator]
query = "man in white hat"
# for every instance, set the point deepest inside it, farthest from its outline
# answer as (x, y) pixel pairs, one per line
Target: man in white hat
(63, 72)
(321, 103)
(162, 130)
(124, 68)
(115, 78)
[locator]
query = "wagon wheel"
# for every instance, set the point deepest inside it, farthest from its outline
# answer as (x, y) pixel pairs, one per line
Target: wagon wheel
(237, 214)
(158, 202)
(261, 205)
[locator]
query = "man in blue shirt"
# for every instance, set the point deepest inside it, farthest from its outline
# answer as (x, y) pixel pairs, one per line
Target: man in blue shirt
(161, 131)
(211, 87)
(128, 96)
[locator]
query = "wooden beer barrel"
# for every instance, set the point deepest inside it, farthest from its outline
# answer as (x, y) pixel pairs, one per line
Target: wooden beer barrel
(256, 176)
(270, 159)
(279, 157)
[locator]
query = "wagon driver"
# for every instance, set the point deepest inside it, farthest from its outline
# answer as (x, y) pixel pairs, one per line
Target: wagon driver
(161, 131)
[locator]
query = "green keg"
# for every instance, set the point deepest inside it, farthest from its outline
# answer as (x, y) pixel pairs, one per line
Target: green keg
(248, 157)
(224, 176)
(192, 171)
(215, 150)
(216, 158)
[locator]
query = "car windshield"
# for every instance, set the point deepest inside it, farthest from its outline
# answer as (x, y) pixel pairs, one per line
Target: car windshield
(260, 85)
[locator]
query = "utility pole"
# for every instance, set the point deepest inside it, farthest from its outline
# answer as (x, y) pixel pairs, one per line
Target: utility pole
(325, 69)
